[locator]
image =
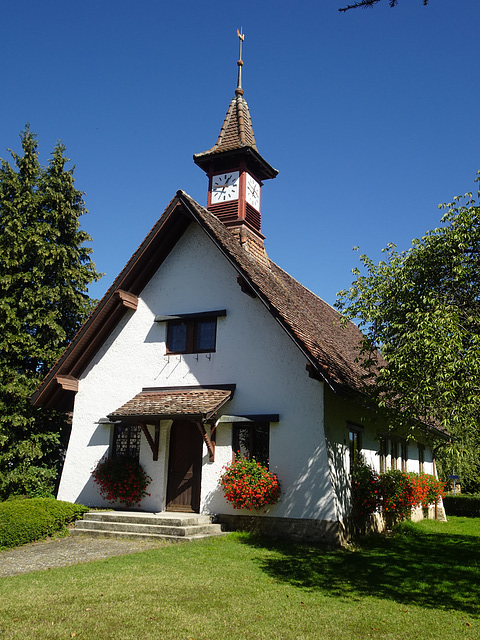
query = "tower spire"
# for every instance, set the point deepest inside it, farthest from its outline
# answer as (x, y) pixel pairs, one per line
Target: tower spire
(236, 172)
(239, 90)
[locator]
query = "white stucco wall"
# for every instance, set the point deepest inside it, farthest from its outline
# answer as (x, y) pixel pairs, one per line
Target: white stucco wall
(340, 412)
(252, 351)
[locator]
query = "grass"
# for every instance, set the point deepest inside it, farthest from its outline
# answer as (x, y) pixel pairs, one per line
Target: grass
(421, 585)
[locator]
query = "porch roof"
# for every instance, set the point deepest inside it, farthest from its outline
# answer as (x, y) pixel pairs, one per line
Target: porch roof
(176, 402)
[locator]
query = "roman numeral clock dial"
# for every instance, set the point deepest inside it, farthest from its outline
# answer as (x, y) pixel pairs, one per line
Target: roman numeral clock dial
(225, 187)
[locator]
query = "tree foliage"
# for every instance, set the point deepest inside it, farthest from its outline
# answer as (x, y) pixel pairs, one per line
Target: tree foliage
(370, 3)
(421, 309)
(45, 270)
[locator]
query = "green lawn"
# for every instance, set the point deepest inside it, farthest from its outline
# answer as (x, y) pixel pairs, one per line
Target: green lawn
(422, 585)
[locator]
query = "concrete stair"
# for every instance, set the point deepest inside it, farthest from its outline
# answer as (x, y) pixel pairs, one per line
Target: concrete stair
(176, 527)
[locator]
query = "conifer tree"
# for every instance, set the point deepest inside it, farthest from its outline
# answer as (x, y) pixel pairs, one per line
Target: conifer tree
(45, 270)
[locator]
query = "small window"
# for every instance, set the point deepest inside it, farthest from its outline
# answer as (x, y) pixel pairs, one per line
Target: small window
(194, 335)
(355, 444)
(252, 441)
(126, 441)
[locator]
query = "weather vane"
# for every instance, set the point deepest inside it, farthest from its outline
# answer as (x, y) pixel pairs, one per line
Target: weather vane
(239, 90)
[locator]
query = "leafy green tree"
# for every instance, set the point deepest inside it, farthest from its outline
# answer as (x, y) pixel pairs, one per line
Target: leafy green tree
(45, 270)
(421, 309)
(370, 3)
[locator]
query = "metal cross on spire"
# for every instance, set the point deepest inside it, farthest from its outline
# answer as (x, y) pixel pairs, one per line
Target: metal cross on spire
(239, 90)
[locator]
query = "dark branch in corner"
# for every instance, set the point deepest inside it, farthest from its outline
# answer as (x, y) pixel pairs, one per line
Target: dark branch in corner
(370, 3)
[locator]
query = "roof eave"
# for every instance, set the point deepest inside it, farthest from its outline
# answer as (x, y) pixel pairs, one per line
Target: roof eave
(109, 311)
(264, 170)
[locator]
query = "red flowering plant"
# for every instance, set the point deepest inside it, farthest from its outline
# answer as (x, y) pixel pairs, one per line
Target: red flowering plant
(394, 493)
(427, 489)
(248, 484)
(397, 496)
(121, 479)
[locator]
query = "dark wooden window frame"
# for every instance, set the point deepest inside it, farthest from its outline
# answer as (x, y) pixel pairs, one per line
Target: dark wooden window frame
(394, 454)
(130, 434)
(355, 432)
(421, 457)
(191, 321)
(383, 453)
(404, 454)
(253, 429)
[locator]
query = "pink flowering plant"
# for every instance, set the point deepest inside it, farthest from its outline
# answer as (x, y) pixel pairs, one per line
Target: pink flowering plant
(121, 480)
(248, 484)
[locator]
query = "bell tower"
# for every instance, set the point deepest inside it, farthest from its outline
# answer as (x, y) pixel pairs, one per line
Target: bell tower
(236, 170)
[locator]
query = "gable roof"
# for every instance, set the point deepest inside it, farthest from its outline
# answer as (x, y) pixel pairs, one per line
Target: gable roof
(330, 347)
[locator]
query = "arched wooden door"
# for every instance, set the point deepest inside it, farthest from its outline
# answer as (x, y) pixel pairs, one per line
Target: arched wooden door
(184, 467)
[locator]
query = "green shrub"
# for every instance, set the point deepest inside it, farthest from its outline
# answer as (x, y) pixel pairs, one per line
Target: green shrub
(23, 521)
(364, 491)
(460, 505)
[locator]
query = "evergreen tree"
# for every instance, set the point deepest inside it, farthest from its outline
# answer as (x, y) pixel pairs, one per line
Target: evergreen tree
(45, 270)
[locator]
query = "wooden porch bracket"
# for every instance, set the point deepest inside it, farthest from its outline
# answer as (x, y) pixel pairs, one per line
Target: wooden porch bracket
(67, 382)
(127, 299)
(154, 444)
(208, 442)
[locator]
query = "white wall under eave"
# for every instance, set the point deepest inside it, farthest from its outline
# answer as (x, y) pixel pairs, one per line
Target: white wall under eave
(252, 351)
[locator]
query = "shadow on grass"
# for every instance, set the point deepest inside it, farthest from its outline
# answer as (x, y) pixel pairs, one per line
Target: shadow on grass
(440, 571)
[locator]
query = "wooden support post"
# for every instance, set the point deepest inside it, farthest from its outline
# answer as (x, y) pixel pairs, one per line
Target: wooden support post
(154, 444)
(208, 442)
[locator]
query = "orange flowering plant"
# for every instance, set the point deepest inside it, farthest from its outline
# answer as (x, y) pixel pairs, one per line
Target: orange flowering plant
(121, 480)
(248, 484)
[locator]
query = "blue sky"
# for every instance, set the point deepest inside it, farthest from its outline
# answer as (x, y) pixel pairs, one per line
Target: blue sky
(370, 116)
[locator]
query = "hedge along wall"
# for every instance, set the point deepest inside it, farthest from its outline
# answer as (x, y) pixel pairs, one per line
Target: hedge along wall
(468, 506)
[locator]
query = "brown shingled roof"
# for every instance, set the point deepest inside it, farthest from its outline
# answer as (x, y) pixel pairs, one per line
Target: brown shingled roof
(236, 136)
(199, 402)
(237, 130)
(329, 346)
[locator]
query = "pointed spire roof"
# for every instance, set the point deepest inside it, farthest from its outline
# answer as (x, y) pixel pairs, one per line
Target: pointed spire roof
(236, 135)
(236, 131)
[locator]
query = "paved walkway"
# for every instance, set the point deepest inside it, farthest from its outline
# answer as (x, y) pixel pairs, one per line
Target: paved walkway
(60, 552)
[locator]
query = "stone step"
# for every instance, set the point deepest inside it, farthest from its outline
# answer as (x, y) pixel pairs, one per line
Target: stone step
(158, 529)
(98, 533)
(165, 526)
(134, 517)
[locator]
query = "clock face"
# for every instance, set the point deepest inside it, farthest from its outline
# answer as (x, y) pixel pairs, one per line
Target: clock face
(253, 192)
(225, 187)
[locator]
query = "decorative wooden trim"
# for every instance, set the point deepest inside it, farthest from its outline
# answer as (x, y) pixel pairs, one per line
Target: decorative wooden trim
(245, 287)
(154, 444)
(208, 442)
(127, 299)
(220, 313)
(253, 419)
(68, 383)
(313, 373)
